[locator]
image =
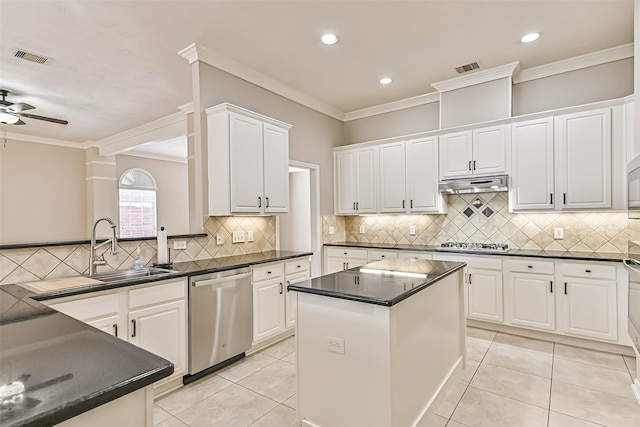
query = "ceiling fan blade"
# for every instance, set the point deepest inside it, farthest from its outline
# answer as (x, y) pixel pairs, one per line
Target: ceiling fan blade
(46, 119)
(19, 122)
(19, 106)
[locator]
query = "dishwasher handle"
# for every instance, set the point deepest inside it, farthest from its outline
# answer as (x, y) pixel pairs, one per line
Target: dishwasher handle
(209, 282)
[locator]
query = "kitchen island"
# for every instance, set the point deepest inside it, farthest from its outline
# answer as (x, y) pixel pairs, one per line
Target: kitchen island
(378, 345)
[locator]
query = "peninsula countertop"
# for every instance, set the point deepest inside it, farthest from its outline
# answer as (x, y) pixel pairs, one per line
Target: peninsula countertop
(53, 367)
(384, 283)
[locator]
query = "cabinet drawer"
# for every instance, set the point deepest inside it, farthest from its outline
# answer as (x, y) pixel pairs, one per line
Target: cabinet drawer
(297, 278)
(378, 255)
(415, 255)
(266, 272)
(347, 253)
(530, 266)
(156, 294)
(297, 266)
(89, 308)
(589, 270)
(490, 263)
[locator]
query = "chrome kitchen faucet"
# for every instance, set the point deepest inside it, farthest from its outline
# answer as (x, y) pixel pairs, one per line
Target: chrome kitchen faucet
(93, 260)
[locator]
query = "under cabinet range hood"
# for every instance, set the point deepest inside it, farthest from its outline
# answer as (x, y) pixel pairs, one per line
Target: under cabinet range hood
(485, 184)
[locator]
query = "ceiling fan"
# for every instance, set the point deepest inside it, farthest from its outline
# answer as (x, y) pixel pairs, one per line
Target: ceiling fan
(11, 112)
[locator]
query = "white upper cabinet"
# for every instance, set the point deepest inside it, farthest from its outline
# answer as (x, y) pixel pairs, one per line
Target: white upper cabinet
(532, 174)
(473, 152)
(422, 176)
(355, 181)
(392, 177)
(583, 148)
(248, 162)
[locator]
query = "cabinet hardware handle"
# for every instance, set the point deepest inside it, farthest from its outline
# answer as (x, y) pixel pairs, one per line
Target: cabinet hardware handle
(565, 288)
(280, 288)
(347, 265)
(133, 322)
(115, 329)
(551, 197)
(288, 284)
(469, 164)
(564, 198)
(266, 199)
(268, 272)
(345, 253)
(587, 271)
(297, 266)
(354, 206)
(381, 256)
(551, 286)
(259, 201)
(474, 165)
(411, 204)
(469, 278)
(357, 205)
(529, 266)
(403, 204)
(344, 265)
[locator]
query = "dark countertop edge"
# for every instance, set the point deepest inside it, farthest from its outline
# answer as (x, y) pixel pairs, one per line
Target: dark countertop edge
(81, 406)
(86, 242)
(509, 253)
(156, 278)
(368, 300)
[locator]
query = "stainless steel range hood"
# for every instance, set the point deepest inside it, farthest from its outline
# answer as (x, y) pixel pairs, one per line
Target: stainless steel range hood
(485, 184)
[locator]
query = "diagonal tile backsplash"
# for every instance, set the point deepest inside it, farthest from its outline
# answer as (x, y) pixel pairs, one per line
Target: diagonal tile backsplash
(482, 218)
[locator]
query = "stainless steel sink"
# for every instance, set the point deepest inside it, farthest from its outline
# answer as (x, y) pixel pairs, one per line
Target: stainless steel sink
(122, 275)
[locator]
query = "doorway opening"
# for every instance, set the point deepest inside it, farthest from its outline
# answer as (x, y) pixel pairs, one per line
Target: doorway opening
(301, 229)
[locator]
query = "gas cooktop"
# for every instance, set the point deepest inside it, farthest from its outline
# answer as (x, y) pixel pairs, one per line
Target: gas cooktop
(481, 247)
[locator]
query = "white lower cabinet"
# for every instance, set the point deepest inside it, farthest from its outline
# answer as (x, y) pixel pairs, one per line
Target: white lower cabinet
(341, 258)
(273, 307)
(529, 294)
(152, 316)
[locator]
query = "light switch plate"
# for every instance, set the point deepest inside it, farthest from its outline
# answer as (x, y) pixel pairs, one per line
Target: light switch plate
(412, 230)
(332, 230)
(179, 244)
(362, 229)
(558, 233)
(249, 236)
(238, 237)
(219, 240)
(335, 345)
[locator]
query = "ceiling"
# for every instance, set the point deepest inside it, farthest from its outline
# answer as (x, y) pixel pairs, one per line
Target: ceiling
(115, 64)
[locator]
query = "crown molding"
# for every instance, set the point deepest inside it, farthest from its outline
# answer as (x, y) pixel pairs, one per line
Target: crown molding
(166, 127)
(186, 108)
(477, 77)
(194, 52)
(42, 140)
(389, 107)
(571, 64)
(155, 156)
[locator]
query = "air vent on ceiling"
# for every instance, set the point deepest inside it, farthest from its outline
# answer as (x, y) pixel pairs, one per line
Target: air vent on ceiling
(467, 67)
(23, 54)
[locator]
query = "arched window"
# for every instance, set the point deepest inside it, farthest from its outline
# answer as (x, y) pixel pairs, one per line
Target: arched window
(138, 209)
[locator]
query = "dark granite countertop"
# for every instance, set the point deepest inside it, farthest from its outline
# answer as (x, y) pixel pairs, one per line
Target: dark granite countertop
(386, 282)
(66, 366)
(578, 256)
(181, 269)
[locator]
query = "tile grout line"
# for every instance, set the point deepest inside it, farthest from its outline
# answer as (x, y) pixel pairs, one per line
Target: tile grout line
(553, 359)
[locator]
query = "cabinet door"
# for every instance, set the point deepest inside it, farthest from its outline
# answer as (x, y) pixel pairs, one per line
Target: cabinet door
(268, 308)
(489, 151)
(532, 165)
(392, 178)
(589, 308)
(456, 150)
(529, 301)
(246, 164)
(161, 329)
(422, 175)
(290, 301)
(584, 145)
(276, 169)
(109, 325)
(345, 182)
(366, 170)
(484, 294)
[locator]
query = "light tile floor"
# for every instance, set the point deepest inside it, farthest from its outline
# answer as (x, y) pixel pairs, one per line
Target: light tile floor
(508, 381)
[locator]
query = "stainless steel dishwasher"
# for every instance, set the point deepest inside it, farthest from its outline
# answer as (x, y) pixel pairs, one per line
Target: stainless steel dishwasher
(220, 319)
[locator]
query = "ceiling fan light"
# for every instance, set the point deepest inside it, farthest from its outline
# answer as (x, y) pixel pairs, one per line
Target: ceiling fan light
(8, 119)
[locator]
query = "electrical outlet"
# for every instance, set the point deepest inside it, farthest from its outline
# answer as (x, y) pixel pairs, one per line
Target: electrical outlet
(362, 229)
(335, 345)
(219, 240)
(238, 237)
(179, 244)
(412, 230)
(249, 236)
(332, 230)
(558, 233)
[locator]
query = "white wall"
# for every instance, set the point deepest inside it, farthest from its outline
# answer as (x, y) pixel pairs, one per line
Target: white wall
(42, 193)
(295, 227)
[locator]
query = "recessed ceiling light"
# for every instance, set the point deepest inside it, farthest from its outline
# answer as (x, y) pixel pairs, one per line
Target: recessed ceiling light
(329, 39)
(385, 80)
(531, 37)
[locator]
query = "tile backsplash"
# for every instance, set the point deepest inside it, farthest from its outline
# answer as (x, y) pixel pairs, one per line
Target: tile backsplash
(30, 264)
(489, 220)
